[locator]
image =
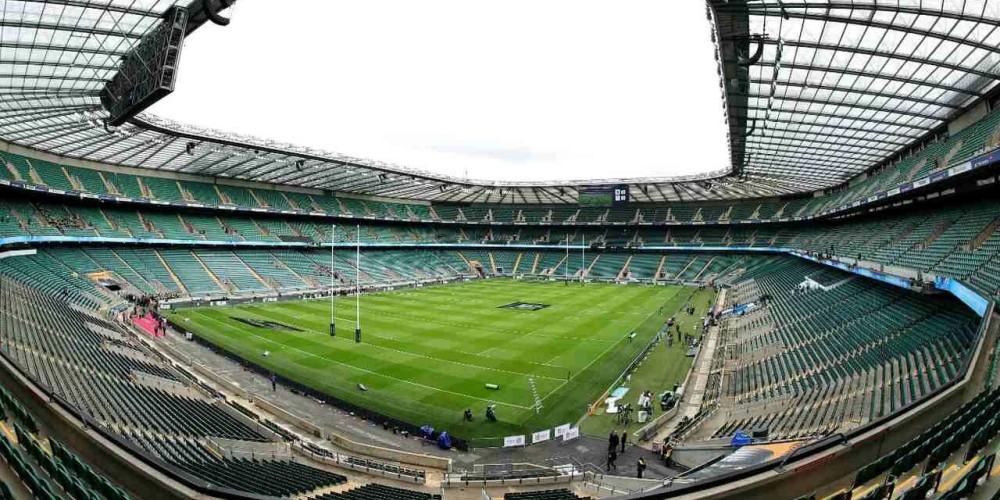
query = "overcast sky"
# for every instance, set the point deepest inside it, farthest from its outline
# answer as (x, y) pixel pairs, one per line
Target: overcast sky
(518, 90)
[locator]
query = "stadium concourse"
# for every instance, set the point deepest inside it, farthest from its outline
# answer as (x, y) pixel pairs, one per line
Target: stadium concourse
(815, 321)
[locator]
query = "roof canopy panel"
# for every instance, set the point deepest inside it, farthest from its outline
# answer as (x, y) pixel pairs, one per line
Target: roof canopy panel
(828, 89)
(815, 92)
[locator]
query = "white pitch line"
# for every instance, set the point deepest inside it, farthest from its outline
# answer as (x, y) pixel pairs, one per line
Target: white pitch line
(408, 353)
(520, 333)
(570, 379)
(370, 372)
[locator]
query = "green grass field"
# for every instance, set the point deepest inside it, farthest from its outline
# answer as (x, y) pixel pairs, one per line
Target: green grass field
(664, 366)
(427, 353)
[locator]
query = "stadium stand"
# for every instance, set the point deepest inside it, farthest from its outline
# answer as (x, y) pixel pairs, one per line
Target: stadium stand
(378, 492)
(46, 467)
(958, 241)
(853, 241)
(278, 478)
(839, 356)
(92, 364)
(543, 495)
(915, 469)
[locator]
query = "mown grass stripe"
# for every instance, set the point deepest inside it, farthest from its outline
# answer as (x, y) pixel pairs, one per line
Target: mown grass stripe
(427, 353)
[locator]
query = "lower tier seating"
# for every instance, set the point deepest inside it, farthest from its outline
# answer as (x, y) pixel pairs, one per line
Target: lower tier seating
(962, 445)
(811, 360)
(544, 495)
(90, 362)
(378, 492)
(47, 468)
(278, 478)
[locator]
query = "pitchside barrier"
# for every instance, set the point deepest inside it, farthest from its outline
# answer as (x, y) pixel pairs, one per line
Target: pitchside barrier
(632, 281)
(511, 474)
(562, 433)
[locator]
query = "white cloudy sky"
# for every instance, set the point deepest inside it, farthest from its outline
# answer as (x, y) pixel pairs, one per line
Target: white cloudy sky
(518, 90)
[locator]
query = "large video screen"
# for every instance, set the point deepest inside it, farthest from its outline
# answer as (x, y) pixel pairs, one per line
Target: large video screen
(602, 196)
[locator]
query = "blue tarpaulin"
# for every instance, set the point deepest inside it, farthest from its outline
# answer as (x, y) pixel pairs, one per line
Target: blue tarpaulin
(740, 439)
(444, 441)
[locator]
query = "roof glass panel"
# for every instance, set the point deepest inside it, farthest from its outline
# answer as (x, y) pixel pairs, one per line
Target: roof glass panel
(893, 70)
(838, 87)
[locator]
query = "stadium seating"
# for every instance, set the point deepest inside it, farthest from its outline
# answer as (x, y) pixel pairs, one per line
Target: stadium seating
(955, 241)
(271, 199)
(377, 492)
(955, 446)
(849, 354)
(276, 273)
(46, 474)
(67, 351)
(938, 155)
(147, 264)
(562, 494)
(231, 270)
(272, 477)
(191, 271)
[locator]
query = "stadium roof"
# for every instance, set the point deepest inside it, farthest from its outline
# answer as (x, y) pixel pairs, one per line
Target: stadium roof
(823, 90)
(835, 88)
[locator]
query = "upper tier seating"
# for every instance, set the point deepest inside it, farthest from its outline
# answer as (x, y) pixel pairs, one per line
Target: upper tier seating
(973, 140)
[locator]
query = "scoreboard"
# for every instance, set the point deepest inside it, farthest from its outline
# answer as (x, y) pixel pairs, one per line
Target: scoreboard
(602, 196)
(620, 195)
(147, 73)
